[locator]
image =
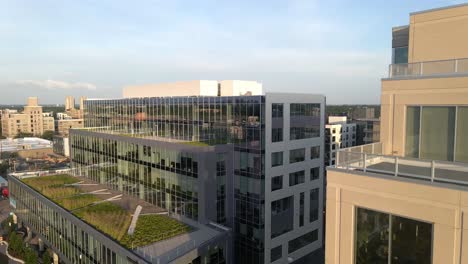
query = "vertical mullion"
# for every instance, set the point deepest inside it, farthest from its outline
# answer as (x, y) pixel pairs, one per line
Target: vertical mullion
(420, 131)
(390, 239)
(455, 134)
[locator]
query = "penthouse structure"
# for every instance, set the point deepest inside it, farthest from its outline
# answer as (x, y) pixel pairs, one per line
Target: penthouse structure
(404, 199)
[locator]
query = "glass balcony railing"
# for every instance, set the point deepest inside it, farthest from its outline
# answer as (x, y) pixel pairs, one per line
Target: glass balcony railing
(428, 68)
(370, 158)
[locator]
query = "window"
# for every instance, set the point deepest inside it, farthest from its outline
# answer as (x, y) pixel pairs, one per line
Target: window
(297, 177)
(431, 133)
(276, 183)
(282, 216)
(276, 159)
(315, 152)
(304, 121)
(400, 55)
(314, 173)
(314, 205)
(276, 134)
(411, 240)
(277, 122)
(303, 241)
(276, 253)
(296, 155)
(301, 209)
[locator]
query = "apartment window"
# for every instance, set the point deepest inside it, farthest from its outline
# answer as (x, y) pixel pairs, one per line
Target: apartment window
(400, 55)
(314, 205)
(276, 159)
(297, 177)
(303, 241)
(277, 122)
(276, 253)
(431, 132)
(296, 155)
(314, 173)
(301, 209)
(282, 216)
(315, 152)
(276, 183)
(304, 121)
(386, 238)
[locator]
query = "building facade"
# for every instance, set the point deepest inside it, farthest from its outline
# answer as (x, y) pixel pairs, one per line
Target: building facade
(269, 151)
(30, 121)
(338, 134)
(404, 198)
(367, 130)
(64, 125)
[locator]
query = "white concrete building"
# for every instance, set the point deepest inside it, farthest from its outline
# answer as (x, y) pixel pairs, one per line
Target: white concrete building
(339, 134)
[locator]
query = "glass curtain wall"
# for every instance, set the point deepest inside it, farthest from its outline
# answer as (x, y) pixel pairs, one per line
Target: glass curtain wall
(383, 238)
(437, 133)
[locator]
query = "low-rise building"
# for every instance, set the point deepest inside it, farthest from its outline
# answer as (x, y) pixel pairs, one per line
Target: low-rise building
(338, 134)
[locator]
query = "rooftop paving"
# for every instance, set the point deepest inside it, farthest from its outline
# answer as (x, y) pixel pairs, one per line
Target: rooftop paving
(99, 206)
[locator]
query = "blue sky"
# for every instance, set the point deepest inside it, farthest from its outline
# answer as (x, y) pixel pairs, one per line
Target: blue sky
(56, 48)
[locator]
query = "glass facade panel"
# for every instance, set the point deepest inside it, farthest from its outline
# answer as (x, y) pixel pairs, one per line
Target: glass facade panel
(302, 241)
(297, 177)
(296, 155)
(412, 131)
(276, 159)
(315, 152)
(314, 205)
(411, 240)
(282, 216)
(400, 55)
(437, 133)
(304, 121)
(461, 147)
(277, 122)
(276, 253)
(277, 183)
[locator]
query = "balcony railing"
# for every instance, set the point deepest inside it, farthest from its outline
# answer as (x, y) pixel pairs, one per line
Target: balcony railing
(369, 158)
(427, 68)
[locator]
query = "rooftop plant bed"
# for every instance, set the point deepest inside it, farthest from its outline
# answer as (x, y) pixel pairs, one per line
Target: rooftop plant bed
(152, 228)
(106, 216)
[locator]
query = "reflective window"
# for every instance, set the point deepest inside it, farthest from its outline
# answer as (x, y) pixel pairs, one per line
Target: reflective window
(304, 121)
(314, 205)
(277, 122)
(276, 183)
(282, 216)
(302, 241)
(301, 209)
(314, 173)
(297, 177)
(411, 240)
(400, 55)
(276, 253)
(315, 152)
(461, 154)
(296, 155)
(276, 159)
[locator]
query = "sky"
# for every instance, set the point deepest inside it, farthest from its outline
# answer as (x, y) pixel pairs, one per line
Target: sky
(341, 49)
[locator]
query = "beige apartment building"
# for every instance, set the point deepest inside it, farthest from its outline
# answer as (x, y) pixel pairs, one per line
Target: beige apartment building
(64, 125)
(405, 198)
(31, 120)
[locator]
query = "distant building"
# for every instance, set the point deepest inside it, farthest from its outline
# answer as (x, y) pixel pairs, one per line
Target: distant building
(61, 145)
(64, 125)
(368, 130)
(362, 113)
(31, 120)
(338, 134)
(28, 147)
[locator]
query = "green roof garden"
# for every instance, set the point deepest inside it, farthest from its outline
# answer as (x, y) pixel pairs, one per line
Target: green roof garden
(65, 191)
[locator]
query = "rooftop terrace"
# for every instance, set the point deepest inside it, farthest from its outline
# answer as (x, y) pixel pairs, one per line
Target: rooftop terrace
(438, 68)
(99, 206)
(370, 159)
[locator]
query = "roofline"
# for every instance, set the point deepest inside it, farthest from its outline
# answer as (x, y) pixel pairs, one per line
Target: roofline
(438, 9)
(400, 27)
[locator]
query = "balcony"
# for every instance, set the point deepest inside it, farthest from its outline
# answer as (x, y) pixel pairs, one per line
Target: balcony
(429, 68)
(370, 159)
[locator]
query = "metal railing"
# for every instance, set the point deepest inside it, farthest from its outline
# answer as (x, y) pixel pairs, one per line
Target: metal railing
(425, 68)
(369, 158)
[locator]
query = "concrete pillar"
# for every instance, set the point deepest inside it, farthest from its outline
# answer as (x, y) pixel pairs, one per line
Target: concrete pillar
(41, 244)
(55, 258)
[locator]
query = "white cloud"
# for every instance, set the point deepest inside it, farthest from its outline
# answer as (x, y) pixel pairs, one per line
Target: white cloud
(57, 85)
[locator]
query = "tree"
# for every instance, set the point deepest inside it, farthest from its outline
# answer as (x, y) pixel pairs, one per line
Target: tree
(49, 135)
(23, 135)
(46, 259)
(30, 256)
